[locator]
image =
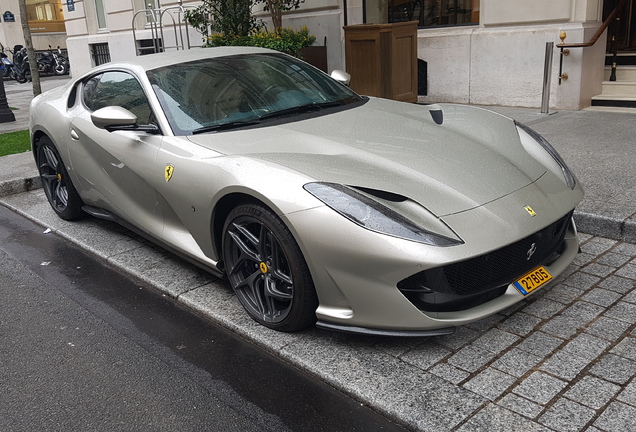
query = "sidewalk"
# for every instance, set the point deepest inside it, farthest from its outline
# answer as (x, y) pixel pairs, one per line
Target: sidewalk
(561, 360)
(19, 96)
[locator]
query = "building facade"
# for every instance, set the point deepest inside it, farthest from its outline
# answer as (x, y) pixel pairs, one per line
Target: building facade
(119, 29)
(46, 22)
(492, 52)
(486, 52)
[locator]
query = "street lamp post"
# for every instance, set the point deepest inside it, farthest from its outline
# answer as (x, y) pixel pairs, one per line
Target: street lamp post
(6, 115)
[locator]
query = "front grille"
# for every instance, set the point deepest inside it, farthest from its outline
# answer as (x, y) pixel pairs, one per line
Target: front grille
(469, 283)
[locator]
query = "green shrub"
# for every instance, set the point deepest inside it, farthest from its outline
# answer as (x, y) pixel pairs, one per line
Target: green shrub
(284, 39)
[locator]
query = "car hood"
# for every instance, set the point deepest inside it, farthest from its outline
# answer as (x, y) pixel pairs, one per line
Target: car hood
(472, 158)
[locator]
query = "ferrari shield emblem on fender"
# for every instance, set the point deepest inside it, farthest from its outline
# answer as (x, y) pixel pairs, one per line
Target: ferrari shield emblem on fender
(530, 211)
(168, 172)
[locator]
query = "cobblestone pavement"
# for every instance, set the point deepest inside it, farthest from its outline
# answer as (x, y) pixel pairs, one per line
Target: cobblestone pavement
(565, 360)
(562, 360)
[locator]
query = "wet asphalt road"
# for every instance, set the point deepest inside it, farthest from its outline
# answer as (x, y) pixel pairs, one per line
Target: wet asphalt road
(84, 348)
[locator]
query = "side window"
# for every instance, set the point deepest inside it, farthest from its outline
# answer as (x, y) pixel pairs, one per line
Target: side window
(117, 89)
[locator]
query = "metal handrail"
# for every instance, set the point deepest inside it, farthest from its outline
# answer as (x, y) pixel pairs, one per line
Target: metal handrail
(564, 47)
(545, 98)
(598, 33)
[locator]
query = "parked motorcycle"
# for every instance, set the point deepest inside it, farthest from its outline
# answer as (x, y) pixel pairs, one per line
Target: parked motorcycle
(62, 65)
(53, 62)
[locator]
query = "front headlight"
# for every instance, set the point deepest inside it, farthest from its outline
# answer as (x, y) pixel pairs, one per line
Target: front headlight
(373, 215)
(526, 133)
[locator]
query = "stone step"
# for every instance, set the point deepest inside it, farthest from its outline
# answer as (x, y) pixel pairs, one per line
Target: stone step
(619, 88)
(621, 101)
(620, 93)
(623, 73)
(612, 109)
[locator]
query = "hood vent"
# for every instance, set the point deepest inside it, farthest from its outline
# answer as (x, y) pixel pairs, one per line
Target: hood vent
(436, 113)
(388, 196)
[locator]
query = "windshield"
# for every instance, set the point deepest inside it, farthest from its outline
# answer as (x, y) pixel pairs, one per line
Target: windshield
(242, 90)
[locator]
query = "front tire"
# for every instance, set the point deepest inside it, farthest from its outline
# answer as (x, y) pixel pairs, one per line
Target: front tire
(57, 184)
(267, 270)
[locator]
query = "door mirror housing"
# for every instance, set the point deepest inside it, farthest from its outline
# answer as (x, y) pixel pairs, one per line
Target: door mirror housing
(341, 76)
(114, 118)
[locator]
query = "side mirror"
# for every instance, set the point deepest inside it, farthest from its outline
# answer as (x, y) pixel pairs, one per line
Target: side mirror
(114, 118)
(341, 76)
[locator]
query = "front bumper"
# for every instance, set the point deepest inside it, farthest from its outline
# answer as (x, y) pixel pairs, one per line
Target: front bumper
(356, 272)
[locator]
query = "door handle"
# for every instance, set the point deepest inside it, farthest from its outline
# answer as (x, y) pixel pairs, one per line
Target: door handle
(74, 134)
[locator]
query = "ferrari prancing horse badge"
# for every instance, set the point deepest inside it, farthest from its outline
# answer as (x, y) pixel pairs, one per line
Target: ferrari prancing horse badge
(530, 211)
(168, 172)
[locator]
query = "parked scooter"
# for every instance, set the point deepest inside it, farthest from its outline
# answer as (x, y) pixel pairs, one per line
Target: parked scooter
(9, 68)
(21, 64)
(7, 65)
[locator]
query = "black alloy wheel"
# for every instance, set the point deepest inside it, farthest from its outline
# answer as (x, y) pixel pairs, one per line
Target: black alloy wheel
(266, 269)
(56, 183)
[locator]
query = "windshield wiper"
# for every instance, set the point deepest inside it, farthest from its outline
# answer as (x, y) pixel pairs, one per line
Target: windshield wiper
(225, 126)
(280, 113)
(300, 109)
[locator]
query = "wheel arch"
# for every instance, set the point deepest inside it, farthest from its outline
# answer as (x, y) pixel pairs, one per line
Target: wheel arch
(226, 204)
(297, 313)
(220, 213)
(35, 138)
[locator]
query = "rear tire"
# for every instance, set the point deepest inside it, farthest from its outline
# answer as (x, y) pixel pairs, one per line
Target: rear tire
(57, 184)
(267, 270)
(60, 69)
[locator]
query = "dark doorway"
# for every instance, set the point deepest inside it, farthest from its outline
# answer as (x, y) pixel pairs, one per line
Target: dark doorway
(624, 28)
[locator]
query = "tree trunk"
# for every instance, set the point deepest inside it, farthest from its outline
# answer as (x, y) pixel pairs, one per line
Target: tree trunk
(28, 43)
(274, 11)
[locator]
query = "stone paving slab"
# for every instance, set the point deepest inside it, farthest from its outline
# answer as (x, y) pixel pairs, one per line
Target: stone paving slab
(562, 360)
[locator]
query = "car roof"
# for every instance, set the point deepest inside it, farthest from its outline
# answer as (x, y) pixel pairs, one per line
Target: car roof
(159, 60)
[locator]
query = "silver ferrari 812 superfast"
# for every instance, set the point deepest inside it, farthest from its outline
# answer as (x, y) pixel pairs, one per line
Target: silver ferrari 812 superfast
(318, 205)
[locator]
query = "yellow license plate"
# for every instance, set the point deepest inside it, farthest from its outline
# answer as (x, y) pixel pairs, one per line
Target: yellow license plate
(533, 280)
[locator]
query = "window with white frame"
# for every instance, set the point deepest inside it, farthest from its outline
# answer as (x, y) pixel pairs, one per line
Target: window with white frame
(101, 14)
